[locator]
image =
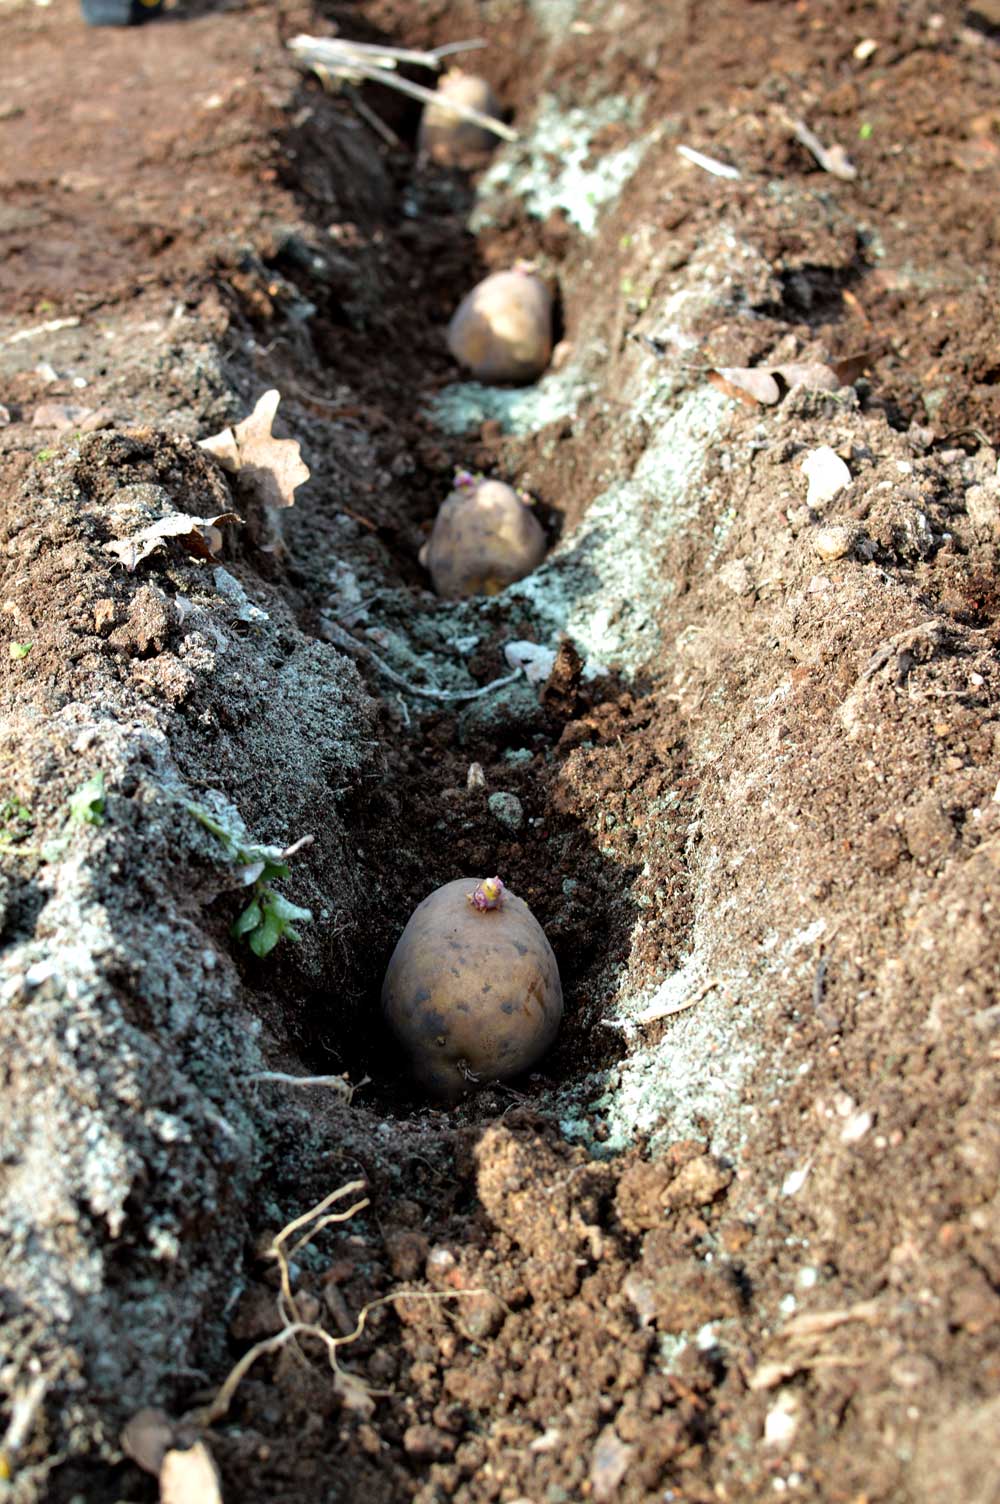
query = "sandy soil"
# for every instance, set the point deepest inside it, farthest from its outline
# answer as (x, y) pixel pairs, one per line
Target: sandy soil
(738, 1237)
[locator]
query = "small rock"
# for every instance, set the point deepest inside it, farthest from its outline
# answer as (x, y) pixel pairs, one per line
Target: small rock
(982, 503)
(105, 614)
(736, 576)
(834, 541)
(4, 415)
(536, 660)
(782, 1420)
(427, 1443)
(697, 1183)
(256, 1315)
(441, 1266)
(100, 417)
(476, 779)
(59, 415)
(507, 810)
(406, 1250)
(147, 1438)
(609, 1462)
(482, 1316)
(826, 473)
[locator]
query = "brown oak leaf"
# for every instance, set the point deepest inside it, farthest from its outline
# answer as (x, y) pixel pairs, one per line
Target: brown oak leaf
(269, 469)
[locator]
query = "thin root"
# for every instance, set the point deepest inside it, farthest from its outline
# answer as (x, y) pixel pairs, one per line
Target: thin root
(339, 1084)
(345, 640)
(348, 1383)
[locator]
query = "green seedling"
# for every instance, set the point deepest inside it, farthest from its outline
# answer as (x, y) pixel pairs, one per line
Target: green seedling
(86, 806)
(20, 649)
(866, 131)
(269, 916)
(44, 455)
(16, 823)
(267, 919)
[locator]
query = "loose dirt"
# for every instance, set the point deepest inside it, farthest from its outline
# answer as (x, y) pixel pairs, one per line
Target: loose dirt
(739, 1236)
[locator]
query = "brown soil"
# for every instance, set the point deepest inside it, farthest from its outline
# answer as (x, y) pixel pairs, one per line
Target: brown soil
(778, 784)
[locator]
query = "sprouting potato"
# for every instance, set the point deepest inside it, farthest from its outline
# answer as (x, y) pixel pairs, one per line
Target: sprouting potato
(502, 329)
(485, 536)
(472, 992)
(449, 139)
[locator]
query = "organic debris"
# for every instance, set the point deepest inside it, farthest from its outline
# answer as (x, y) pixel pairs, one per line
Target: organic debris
(445, 137)
(27, 1399)
(267, 468)
(336, 60)
(832, 159)
(766, 384)
(201, 536)
(709, 164)
(190, 1477)
(147, 1439)
(86, 806)
(805, 1334)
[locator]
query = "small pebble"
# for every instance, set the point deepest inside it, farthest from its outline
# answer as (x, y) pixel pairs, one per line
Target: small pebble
(609, 1462)
(476, 779)
(59, 415)
(508, 810)
(482, 1316)
(427, 1443)
(834, 541)
(826, 473)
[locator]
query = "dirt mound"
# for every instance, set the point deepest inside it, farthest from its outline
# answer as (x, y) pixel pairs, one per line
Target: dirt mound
(739, 1235)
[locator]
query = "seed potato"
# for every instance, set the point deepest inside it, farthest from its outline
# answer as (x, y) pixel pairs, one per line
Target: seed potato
(502, 329)
(485, 537)
(472, 991)
(448, 139)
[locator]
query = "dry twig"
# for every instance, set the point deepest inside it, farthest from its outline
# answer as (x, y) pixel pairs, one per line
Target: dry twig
(345, 640)
(354, 62)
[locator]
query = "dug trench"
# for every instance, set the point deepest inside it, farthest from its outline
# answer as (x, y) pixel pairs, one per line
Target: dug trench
(739, 1234)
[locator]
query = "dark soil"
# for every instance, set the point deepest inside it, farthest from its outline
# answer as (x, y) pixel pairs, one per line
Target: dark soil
(748, 1251)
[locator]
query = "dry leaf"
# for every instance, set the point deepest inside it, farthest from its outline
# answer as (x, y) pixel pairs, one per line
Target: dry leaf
(754, 384)
(190, 1477)
(749, 384)
(223, 447)
(850, 367)
(269, 468)
(201, 536)
(810, 373)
